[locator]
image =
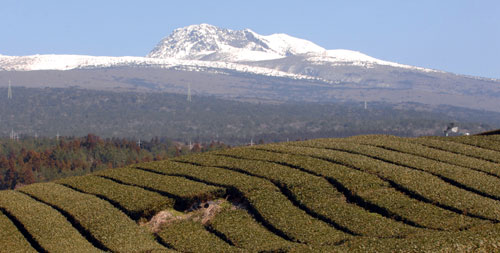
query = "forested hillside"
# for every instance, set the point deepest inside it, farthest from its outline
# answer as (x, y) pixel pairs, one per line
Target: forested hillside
(77, 112)
(29, 160)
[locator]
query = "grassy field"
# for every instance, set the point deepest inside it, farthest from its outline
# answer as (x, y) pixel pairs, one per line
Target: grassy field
(358, 194)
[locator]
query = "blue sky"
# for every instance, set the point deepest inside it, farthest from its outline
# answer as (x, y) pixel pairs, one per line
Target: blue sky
(460, 36)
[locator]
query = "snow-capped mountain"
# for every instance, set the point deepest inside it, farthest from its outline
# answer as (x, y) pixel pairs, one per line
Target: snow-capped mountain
(210, 46)
(208, 42)
(246, 65)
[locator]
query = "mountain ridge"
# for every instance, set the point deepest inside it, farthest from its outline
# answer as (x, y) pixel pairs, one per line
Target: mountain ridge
(247, 66)
(211, 43)
(205, 43)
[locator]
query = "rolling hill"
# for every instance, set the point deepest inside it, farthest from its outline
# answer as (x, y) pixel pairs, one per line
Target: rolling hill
(358, 194)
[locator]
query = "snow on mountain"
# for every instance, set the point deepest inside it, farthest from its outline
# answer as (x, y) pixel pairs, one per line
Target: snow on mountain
(208, 42)
(68, 62)
(342, 57)
(287, 45)
(61, 62)
(207, 46)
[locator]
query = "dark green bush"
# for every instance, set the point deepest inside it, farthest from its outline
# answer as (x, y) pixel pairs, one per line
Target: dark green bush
(11, 240)
(136, 201)
(185, 191)
(242, 230)
(40, 220)
(190, 236)
(313, 192)
(108, 225)
(368, 187)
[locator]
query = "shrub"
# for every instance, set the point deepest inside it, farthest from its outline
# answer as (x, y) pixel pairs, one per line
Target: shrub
(458, 148)
(402, 145)
(185, 191)
(418, 184)
(484, 238)
(314, 192)
(190, 236)
(112, 228)
(486, 142)
(244, 232)
(267, 202)
(136, 201)
(469, 179)
(11, 240)
(373, 192)
(40, 220)
(358, 194)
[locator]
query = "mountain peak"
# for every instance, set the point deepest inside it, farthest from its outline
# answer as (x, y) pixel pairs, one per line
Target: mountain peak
(200, 28)
(208, 42)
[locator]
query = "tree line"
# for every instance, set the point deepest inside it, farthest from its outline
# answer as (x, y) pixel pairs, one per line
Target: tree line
(29, 160)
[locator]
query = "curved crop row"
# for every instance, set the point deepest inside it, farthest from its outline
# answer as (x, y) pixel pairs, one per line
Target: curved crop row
(39, 221)
(265, 200)
(471, 180)
(112, 228)
(184, 191)
(190, 236)
(479, 239)
(243, 231)
(486, 142)
(316, 193)
(136, 201)
(417, 183)
(399, 144)
(357, 194)
(458, 148)
(373, 192)
(11, 239)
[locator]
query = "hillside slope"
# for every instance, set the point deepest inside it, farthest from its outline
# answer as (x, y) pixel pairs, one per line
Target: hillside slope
(363, 193)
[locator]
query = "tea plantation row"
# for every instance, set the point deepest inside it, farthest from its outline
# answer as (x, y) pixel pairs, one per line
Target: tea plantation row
(357, 194)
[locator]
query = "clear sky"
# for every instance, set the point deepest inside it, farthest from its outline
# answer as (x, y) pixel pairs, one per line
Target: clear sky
(459, 36)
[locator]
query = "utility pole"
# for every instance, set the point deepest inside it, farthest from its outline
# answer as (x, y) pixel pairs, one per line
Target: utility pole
(9, 92)
(189, 93)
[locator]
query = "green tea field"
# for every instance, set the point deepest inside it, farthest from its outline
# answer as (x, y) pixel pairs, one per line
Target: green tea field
(373, 193)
